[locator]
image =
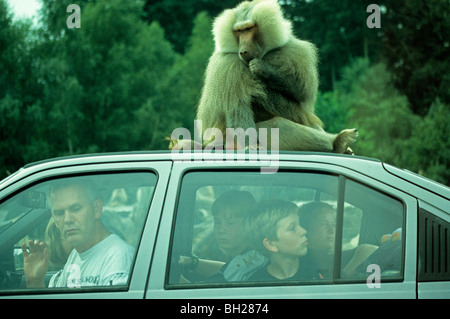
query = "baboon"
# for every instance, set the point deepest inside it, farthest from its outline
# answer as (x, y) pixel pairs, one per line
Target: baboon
(262, 76)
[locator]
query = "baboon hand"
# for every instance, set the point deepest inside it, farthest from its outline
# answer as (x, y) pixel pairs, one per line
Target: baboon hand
(343, 140)
(256, 67)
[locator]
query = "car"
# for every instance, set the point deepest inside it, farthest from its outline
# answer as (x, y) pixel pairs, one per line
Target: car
(390, 227)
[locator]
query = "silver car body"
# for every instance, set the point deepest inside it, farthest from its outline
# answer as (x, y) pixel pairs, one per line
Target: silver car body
(148, 278)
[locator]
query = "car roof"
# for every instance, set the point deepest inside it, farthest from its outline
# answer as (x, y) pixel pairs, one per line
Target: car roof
(368, 166)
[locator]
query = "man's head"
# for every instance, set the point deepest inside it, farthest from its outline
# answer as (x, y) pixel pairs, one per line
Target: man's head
(229, 211)
(77, 210)
(273, 227)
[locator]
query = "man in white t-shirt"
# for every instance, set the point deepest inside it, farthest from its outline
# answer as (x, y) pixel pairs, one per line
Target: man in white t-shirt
(99, 258)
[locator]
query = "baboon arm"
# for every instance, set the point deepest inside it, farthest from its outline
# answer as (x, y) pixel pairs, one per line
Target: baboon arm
(275, 80)
(291, 78)
(225, 97)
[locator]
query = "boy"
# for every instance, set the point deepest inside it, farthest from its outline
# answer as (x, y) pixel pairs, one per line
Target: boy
(229, 211)
(274, 229)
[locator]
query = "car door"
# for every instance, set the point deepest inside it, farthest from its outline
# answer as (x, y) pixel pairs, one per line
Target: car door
(374, 233)
(131, 196)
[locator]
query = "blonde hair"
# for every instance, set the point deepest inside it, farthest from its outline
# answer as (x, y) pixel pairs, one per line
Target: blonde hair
(58, 255)
(309, 211)
(262, 221)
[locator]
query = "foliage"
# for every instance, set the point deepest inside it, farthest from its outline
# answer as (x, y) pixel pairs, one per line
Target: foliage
(417, 47)
(186, 77)
(338, 29)
(428, 149)
(380, 113)
(21, 112)
(388, 128)
(177, 17)
(135, 69)
(331, 111)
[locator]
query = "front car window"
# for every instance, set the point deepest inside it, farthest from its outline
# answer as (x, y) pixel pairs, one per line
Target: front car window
(297, 227)
(73, 232)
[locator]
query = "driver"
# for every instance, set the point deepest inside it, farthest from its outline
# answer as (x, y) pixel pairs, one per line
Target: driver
(99, 258)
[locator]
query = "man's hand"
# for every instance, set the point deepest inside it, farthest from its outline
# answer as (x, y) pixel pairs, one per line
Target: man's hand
(35, 263)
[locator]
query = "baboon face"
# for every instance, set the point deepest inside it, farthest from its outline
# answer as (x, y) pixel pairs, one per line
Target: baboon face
(247, 33)
(249, 40)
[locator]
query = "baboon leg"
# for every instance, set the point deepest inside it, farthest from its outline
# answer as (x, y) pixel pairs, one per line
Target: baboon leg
(297, 137)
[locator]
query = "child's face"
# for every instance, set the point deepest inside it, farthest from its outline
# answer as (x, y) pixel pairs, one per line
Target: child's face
(322, 230)
(229, 233)
(291, 237)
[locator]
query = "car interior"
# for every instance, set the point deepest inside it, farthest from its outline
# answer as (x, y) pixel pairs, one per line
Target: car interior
(26, 215)
(369, 216)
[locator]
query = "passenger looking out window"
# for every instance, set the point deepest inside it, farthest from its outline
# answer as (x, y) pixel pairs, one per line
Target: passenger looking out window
(274, 229)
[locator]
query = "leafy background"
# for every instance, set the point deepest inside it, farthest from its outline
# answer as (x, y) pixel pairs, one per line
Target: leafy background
(134, 72)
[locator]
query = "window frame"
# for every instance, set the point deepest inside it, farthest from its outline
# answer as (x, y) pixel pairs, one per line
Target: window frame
(433, 246)
(159, 275)
(135, 285)
(432, 285)
(341, 182)
(170, 286)
(339, 228)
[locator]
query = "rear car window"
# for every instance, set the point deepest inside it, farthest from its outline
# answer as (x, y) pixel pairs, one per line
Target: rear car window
(252, 229)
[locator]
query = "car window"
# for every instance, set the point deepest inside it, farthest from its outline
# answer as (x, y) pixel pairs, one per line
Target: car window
(373, 228)
(297, 227)
(434, 247)
(73, 232)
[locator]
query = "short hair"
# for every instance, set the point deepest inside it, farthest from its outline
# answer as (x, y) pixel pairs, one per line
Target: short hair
(308, 212)
(85, 183)
(262, 221)
(239, 202)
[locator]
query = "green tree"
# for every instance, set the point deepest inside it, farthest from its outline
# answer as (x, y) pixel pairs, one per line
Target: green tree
(428, 150)
(388, 128)
(177, 17)
(20, 93)
(187, 74)
(416, 48)
(154, 117)
(332, 112)
(104, 72)
(338, 29)
(379, 111)
(53, 15)
(62, 97)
